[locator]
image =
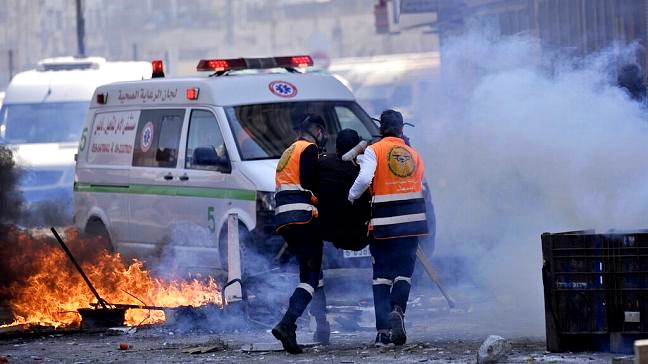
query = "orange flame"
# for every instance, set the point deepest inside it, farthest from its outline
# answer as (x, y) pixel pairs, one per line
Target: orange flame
(49, 290)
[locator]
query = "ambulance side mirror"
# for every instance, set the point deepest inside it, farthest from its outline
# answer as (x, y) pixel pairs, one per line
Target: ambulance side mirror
(208, 157)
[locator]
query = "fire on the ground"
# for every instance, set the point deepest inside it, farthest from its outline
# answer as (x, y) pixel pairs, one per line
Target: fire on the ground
(42, 287)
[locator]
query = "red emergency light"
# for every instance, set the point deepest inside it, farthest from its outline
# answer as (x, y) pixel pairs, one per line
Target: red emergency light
(192, 93)
(158, 68)
(237, 64)
(102, 99)
(296, 61)
(219, 65)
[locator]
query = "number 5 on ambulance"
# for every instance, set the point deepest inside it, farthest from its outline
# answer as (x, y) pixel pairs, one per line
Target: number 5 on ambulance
(165, 161)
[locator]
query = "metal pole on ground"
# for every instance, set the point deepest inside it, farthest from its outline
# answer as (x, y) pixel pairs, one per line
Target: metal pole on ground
(100, 300)
(233, 290)
(429, 269)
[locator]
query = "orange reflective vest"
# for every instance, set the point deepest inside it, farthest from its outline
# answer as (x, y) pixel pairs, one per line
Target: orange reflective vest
(294, 204)
(398, 206)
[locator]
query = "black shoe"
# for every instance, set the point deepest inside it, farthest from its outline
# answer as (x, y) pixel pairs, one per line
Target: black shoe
(382, 339)
(322, 334)
(286, 334)
(396, 319)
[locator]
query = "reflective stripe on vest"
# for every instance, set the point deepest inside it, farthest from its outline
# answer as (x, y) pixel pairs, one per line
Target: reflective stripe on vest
(295, 207)
(293, 202)
(398, 206)
(397, 219)
(397, 197)
(289, 187)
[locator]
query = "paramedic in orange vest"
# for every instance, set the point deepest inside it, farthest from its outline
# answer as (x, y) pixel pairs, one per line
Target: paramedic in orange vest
(297, 222)
(397, 220)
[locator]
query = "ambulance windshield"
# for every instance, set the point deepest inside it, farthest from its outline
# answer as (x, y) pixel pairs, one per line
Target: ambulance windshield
(44, 122)
(264, 131)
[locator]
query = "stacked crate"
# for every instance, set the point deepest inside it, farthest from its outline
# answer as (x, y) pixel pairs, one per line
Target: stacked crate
(595, 287)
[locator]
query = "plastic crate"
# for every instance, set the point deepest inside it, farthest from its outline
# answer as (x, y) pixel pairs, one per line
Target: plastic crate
(596, 290)
(629, 288)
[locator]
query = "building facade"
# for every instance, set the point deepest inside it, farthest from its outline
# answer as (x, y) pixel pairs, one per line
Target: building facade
(577, 27)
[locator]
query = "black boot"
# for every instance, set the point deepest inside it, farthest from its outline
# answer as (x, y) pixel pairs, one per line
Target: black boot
(381, 306)
(285, 332)
(382, 339)
(397, 321)
(322, 333)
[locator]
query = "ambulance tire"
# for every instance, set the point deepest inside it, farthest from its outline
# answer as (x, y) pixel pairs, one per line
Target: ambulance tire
(249, 260)
(95, 229)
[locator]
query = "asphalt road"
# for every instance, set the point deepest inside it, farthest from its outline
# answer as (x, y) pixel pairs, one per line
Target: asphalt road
(435, 334)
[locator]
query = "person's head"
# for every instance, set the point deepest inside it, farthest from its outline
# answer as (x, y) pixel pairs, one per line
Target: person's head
(346, 139)
(630, 78)
(313, 127)
(391, 123)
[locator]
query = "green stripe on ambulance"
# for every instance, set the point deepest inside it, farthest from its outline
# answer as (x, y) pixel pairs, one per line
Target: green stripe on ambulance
(206, 192)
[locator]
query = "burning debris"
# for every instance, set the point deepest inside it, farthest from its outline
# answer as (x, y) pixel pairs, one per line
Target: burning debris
(43, 288)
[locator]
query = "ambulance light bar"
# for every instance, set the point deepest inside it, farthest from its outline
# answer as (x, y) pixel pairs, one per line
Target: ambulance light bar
(237, 64)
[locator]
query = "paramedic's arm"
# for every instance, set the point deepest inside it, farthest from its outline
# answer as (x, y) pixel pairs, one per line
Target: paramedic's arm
(367, 169)
(308, 168)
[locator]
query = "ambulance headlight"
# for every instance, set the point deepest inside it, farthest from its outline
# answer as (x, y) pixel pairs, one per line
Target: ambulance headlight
(265, 201)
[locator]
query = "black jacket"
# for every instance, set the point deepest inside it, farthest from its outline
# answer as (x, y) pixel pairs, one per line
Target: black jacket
(342, 223)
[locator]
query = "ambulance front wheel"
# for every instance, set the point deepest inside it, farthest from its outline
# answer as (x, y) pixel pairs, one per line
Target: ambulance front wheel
(95, 229)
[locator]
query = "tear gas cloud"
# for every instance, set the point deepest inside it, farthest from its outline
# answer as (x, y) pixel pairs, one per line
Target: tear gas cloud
(517, 144)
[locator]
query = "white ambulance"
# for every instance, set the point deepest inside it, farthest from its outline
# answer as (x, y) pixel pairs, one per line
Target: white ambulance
(163, 162)
(42, 116)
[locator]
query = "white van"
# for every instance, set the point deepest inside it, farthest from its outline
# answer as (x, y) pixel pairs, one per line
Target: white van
(163, 162)
(42, 116)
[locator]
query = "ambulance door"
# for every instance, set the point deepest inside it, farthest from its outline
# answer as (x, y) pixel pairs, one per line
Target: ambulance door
(153, 173)
(103, 172)
(210, 187)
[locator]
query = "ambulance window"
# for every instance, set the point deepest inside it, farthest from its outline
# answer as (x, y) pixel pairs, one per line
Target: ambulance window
(158, 138)
(205, 145)
(264, 131)
(349, 120)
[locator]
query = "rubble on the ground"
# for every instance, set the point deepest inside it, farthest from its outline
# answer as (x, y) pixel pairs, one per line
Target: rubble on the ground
(123, 330)
(493, 349)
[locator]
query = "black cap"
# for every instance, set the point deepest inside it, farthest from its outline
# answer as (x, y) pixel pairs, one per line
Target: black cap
(391, 119)
(311, 119)
(346, 139)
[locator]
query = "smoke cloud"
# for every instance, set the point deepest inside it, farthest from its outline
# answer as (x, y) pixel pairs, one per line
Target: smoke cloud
(517, 144)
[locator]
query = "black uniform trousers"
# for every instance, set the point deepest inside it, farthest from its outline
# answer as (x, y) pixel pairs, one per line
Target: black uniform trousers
(393, 264)
(305, 241)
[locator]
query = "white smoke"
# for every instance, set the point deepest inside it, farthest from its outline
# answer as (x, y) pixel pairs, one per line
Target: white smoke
(516, 145)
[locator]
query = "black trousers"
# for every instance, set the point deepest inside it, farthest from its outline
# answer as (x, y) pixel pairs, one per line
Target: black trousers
(393, 264)
(305, 241)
